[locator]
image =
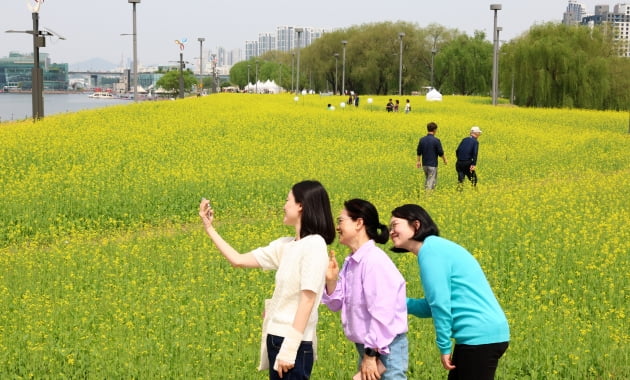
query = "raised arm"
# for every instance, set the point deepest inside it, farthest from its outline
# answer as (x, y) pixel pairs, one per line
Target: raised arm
(235, 258)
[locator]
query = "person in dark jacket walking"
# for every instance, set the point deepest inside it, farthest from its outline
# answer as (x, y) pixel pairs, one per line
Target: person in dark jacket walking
(428, 150)
(467, 158)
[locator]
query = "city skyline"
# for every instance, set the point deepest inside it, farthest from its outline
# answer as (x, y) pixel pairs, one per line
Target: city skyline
(95, 31)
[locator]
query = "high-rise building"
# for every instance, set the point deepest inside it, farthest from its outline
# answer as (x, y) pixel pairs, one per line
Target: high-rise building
(221, 56)
(618, 19)
(574, 13)
(234, 56)
(286, 38)
(266, 42)
(251, 49)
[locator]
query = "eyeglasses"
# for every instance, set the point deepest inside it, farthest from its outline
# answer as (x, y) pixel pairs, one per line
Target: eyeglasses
(341, 219)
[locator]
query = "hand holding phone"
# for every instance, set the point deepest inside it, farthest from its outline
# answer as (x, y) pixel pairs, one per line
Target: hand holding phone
(205, 210)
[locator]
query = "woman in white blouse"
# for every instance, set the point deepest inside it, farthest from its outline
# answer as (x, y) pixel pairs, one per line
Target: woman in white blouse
(301, 262)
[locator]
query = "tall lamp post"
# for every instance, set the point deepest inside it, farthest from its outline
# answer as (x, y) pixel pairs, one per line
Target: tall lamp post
(200, 39)
(248, 65)
(297, 76)
(215, 80)
(181, 75)
(182, 45)
(336, 55)
(135, 51)
(292, 64)
(37, 81)
(495, 74)
(343, 68)
(400, 35)
(433, 53)
(257, 76)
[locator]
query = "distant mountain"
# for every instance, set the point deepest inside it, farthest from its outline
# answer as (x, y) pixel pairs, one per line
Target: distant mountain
(94, 64)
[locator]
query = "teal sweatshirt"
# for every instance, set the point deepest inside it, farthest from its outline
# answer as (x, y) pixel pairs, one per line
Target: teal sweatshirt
(457, 296)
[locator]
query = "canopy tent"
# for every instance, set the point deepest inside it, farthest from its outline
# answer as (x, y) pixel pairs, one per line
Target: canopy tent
(267, 87)
(434, 96)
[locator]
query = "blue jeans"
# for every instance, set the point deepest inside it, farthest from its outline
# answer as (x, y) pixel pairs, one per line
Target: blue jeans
(396, 362)
(303, 361)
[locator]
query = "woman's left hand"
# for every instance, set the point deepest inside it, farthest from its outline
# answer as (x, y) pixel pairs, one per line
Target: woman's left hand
(283, 367)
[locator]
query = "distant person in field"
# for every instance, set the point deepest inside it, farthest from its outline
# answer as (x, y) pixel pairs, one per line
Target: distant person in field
(301, 262)
(428, 150)
(370, 292)
(457, 296)
(356, 100)
(467, 158)
(407, 106)
(396, 105)
(390, 106)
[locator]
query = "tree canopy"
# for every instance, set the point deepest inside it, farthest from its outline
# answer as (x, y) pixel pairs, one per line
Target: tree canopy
(170, 81)
(551, 65)
(555, 65)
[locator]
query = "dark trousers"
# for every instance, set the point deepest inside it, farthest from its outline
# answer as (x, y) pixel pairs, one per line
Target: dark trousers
(303, 361)
(463, 170)
(478, 362)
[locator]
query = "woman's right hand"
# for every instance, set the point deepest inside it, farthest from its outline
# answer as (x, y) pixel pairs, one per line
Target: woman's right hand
(206, 212)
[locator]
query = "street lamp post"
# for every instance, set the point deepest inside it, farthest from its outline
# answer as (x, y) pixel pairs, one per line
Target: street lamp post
(257, 76)
(336, 60)
(248, 65)
(200, 39)
(343, 68)
(181, 75)
(135, 51)
(37, 79)
(495, 74)
(215, 80)
(280, 80)
(292, 64)
(400, 35)
(433, 52)
(297, 76)
(37, 83)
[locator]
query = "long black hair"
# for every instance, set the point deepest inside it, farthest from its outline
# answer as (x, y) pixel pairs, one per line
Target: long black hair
(316, 215)
(359, 208)
(412, 213)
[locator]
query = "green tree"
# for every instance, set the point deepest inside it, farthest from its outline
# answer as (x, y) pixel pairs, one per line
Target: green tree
(555, 65)
(464, 66)
(170, 80)
(372, 57)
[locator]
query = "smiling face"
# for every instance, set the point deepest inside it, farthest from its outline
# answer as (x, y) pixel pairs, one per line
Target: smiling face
(292, 211)
(346, 228)
(402, 233)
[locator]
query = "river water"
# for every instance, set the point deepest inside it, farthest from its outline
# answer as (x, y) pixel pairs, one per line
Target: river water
(19, 106)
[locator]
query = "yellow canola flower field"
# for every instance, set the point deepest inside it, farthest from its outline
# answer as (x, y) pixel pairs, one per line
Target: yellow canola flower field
(105, 271)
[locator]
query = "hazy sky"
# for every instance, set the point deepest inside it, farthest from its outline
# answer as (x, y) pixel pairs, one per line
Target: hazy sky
(92, 28)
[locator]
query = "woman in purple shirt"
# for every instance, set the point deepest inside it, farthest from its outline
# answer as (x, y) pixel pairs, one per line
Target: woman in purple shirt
(370, 292)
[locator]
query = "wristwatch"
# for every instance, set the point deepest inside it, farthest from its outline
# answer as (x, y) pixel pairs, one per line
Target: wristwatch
(371, 352)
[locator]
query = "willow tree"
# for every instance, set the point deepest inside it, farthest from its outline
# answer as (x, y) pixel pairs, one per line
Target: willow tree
(464, 66)
(555, 65)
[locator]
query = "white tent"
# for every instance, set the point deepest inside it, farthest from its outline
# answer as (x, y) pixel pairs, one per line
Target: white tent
(267, 87)
(434, 96)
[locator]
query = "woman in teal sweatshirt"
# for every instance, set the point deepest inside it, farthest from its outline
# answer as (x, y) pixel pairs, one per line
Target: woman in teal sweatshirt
(457, 296)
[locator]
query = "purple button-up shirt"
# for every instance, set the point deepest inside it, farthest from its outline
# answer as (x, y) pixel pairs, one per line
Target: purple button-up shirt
(371, 295)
